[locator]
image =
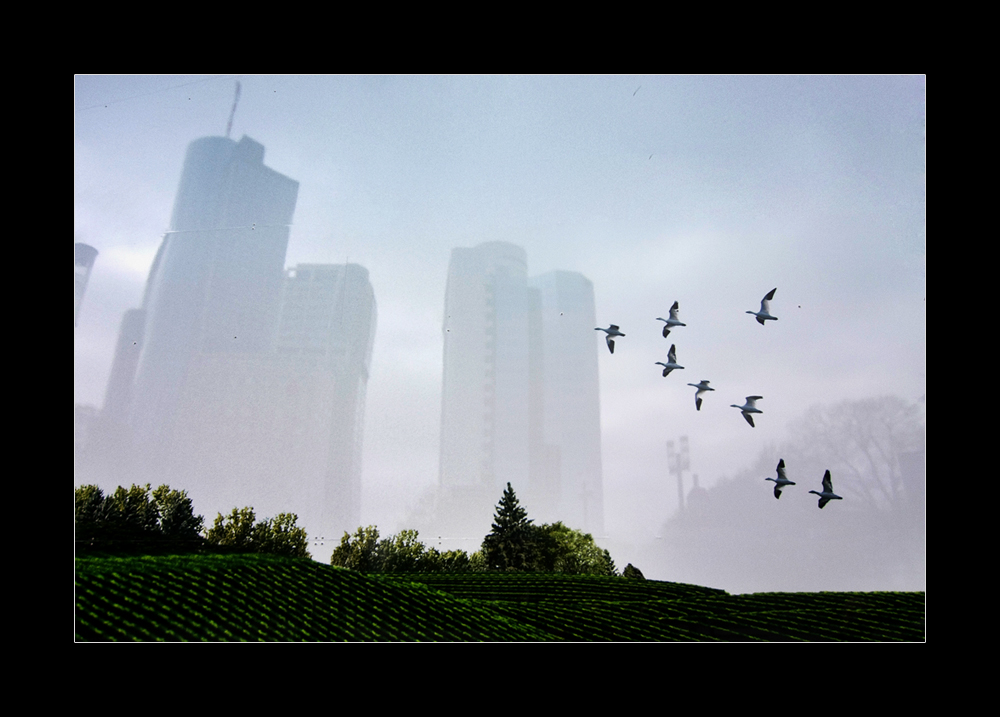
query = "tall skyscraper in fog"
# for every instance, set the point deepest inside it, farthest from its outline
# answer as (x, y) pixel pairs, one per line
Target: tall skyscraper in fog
(238, 381)
(323, 355)
(216, 280)
(570, 391)
(519, 389)
(485, 389)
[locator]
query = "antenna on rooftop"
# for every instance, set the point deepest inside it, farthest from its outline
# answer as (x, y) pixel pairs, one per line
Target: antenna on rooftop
(232, 112)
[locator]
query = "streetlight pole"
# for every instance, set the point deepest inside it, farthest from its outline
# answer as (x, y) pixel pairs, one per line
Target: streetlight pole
(677, 463)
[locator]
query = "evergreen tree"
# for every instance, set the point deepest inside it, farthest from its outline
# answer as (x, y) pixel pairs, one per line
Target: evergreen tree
(510, 544)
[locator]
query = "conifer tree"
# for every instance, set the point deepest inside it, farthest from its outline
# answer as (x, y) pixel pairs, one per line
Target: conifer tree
(510, 544)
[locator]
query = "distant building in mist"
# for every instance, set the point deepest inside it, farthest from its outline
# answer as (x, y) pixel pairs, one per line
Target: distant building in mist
(238, 381)
(571, 409)
(84, 256)
(323, 352)
(216, 280)
(519, 389)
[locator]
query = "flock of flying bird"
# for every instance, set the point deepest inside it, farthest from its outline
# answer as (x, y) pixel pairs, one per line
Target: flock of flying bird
(748, 408)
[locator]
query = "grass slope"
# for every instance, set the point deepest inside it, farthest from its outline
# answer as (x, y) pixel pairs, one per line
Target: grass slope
(267, 598)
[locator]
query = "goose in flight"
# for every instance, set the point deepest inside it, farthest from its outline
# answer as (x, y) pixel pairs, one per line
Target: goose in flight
(781, 481)
(671, 361)
(702, 387)
(765, 308)
(672, 321)
(749, 407)
(611, 332)
(827, 495)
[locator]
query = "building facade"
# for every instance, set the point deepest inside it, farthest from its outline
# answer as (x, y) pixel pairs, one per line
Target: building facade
(216, 280)
(239, 381)
(520, 390)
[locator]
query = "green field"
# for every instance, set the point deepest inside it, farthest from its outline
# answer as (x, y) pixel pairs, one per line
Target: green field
(267, 598)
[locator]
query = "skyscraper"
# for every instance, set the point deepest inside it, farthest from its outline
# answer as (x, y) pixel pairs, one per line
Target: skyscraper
(571, 411)
(520, 390)
(238, 381)
(485, 388)
(323, 354)
(216, 280)
(83, 259)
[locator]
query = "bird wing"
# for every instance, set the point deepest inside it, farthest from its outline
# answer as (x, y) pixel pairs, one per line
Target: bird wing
(673, 311)
(697, 402)
(765, 303)
(672, 353)
(777, 491)
(749, 419)
(823, 501)
(781, 469)
(666, 330)
(611, 344)
(827, 483)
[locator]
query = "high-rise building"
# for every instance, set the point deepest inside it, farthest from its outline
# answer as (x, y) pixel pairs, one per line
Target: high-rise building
(215, 284)
(323, 351)
(485, 391)
(237, 381)
(520, 390)
(570, 391)
(83, 256)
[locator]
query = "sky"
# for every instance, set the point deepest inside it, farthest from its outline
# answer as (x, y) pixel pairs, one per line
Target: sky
(706, 190)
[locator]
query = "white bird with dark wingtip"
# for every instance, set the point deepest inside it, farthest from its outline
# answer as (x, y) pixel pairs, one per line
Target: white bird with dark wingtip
(781, 481)
(765, 308)
(827, 495)
(702, 387)
(749, 407)
(671, 361)
(611, 332)
(672, 321)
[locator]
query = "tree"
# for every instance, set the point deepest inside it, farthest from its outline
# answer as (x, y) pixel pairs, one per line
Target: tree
(633, 572)
(131, 521)
(280, 536)
(402, 553)
(358, 552)
(861, 443)
(234, 531)
(241, 532)
(177, 522)
(562, 549)
(511, 544)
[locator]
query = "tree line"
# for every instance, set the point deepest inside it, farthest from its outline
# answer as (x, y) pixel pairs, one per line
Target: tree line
(514, 544)
(138, 520)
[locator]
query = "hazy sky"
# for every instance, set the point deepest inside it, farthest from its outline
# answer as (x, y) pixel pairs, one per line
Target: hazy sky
(709, 191)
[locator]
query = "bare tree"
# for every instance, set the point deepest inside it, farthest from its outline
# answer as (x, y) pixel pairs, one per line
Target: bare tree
(861, 442)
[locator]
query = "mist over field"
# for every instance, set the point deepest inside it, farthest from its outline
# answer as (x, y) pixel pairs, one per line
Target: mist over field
(358, 207)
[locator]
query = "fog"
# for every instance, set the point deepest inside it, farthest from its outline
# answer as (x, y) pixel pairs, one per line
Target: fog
(709, 191)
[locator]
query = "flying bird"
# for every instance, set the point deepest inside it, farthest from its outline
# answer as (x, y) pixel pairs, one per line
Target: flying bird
(781, 481)
(611, 332)
(827, 495)
(765, 308)
(672, 321)
(671, 361)
(749, 407)
(702, 387)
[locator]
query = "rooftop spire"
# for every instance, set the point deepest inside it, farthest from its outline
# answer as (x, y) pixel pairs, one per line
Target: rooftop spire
(232, 112)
